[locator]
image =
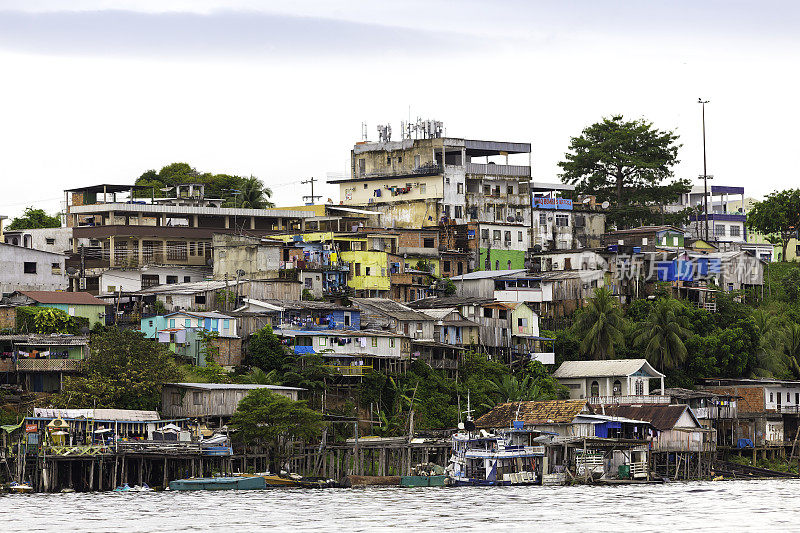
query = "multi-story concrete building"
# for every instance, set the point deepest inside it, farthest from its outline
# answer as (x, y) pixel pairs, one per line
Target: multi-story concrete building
(726, 218)
(424, 182)
(124, 231)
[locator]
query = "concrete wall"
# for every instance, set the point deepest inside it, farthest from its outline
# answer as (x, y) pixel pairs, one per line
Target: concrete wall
(130, 280)
(39, 238)
(237, 252)
(49, 276)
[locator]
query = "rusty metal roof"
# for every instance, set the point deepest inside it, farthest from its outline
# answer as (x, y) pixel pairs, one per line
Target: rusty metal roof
(550, 412)
(60, 297)
(663, 417)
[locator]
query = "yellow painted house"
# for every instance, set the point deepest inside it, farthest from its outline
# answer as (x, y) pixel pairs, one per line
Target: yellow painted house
(369, 272)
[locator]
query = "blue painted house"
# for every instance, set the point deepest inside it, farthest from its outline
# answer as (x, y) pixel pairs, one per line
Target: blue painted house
(210, 321)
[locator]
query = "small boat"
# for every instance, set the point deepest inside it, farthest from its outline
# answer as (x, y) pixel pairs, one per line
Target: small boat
(20, 488)
(422, 481)
(123, 488)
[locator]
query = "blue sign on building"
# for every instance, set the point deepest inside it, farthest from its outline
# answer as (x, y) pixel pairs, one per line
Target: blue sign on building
(552, 203)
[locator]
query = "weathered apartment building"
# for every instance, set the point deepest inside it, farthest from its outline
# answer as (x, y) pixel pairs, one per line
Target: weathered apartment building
(442, 181)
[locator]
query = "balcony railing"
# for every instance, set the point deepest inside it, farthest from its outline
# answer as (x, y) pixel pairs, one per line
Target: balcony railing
(789, 409)
(48, 365)
(349, 370)
(498, 170)
(628, 399)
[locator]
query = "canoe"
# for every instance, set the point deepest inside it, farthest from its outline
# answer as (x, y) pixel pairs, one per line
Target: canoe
(220, 483)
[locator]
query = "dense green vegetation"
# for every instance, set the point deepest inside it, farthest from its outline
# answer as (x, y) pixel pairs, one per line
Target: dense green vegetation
(760, 338)
(125, 370)
(34, 218)
(238, 191)
(48, 320)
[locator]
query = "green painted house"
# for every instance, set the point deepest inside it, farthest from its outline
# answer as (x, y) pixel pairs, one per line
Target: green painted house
(78, 304)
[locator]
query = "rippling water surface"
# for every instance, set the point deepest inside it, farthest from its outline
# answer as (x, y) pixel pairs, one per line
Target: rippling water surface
(711, 506)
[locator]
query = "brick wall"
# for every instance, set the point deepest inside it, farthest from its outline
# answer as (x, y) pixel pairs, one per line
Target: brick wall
(230, 351)
(8, 317)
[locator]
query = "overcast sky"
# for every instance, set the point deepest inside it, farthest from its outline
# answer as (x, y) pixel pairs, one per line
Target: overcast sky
(100, 91)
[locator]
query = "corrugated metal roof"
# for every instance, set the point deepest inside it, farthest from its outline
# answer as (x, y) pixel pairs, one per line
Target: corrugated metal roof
(389, 308)
(59, 297)
(552, 412)
(448, 301)
(229, 386)
(663, 416)
(609, 368)
(488, 274)
(122, 415)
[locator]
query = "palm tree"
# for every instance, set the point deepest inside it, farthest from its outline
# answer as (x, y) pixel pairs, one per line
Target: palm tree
(790, 344)
(253, 194)
(662, 334)
(511, 389)
(602, 325)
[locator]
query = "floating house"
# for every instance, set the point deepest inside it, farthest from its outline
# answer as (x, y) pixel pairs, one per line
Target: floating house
(611, 381)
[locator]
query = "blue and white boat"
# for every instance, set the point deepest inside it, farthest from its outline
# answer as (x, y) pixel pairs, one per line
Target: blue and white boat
(506, 457)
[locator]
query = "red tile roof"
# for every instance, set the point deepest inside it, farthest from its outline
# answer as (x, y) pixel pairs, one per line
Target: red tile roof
(59, 297)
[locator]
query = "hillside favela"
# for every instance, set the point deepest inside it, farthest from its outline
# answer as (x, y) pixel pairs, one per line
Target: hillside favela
(473, 324)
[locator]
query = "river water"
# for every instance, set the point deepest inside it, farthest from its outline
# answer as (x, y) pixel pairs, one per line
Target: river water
(710, 506)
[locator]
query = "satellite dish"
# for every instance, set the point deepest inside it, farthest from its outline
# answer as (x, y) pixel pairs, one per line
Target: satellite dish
(72, 271)
(537, 248)
(587, 201)
(605, 205)
(240, 272)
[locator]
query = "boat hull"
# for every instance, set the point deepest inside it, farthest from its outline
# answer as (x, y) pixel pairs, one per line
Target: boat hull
(422, 481)
(220, 483)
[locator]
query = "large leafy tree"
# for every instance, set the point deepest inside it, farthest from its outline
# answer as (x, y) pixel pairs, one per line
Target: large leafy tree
(248, 192)
(125, 370)
(601, 326)
(34, 218)
(628, 163)
(778, 214)
(269, 420)
(662, 333)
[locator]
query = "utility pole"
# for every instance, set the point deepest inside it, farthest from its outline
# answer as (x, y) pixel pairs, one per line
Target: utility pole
(312, 196)
(705, 175)
(82, 278)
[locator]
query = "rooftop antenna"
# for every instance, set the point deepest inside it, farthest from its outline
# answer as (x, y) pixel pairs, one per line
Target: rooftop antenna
(469, 411)
(363, 131)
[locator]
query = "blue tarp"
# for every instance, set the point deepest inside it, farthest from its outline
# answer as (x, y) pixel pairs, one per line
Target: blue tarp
(303, 350)
(744, 443)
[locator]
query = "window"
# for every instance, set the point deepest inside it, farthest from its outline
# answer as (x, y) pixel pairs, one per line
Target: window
(200, 299)
(176, 250)
(308, 282)
(509, 264)
(487, 312)
(399, 159)
(771, 397)
(594, 389)
(507, 236)
(176, 398)
(50, 241)
(562, 221)
(459, 212)
(367, 271)
(187, 323)
(192, 248)
(226, 324)
(498, 213)
(617, 391)
(197, 398)
(374, 342)
(496, 235)
(323, 341)
(519, 236)
(639, 387)
(347, 319)
(171, 323)
(55, 266)
(150, 323)
(485, 234)
(421, 187)
(460, 188)
(391, 343)
(172, 279)
(788, 400)
(502, 314)
(428, 242)
(447, 211)
(735, 231)
(405, 329)
(510, 189)
(542, 219)
(446, 266)
(29, 267)
(487, 190)
(447, 180)
(497, 265)
(388, 160)
(719, 230)
(416, 161)
(362, 168)
(365, 185)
